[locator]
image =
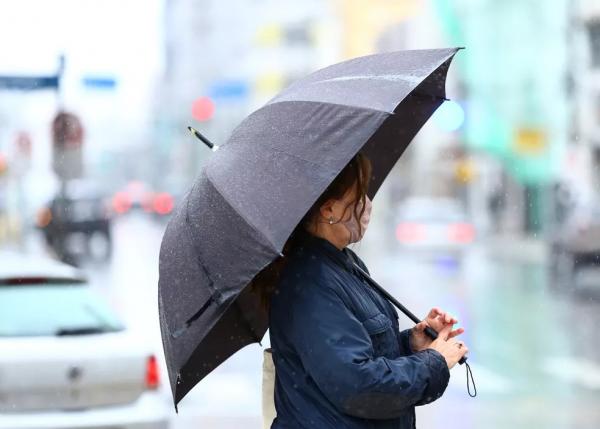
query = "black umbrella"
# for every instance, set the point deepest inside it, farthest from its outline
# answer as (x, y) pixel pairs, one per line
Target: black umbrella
(254, 190)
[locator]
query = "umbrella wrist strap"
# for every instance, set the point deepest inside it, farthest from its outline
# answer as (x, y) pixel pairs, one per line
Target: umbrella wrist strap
(470, 376)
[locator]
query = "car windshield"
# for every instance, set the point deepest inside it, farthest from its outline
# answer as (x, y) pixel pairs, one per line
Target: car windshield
(67, 309)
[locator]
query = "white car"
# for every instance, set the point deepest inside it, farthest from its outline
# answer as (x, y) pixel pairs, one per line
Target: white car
(66, 361)
(433, 226)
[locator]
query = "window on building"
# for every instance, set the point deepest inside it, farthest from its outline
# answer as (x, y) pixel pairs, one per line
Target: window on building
(594, 33)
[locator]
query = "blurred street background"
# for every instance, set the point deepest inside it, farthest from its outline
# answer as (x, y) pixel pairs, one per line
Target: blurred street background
(493, 212)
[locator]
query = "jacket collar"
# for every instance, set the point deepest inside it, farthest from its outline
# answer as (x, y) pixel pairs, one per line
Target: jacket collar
(323, 245)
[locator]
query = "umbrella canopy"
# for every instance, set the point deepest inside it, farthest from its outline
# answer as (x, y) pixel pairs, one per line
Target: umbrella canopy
(255, 189)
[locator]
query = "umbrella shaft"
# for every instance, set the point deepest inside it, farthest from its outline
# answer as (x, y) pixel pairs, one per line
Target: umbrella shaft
(389, 297)
(431, 333)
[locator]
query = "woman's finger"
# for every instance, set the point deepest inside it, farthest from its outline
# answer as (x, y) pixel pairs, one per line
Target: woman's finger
(421, 326)
(434, 312)
(455, 333)
(447, 318)
(445, 332)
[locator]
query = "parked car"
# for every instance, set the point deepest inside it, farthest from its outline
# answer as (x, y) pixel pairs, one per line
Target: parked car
(433, 226)
(67, 361)
(76, 222)
(575, 249)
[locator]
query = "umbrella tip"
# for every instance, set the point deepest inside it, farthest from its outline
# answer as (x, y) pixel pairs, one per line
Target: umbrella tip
(202, 138)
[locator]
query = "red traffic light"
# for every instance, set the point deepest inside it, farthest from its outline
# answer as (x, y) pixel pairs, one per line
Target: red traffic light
(203, 109)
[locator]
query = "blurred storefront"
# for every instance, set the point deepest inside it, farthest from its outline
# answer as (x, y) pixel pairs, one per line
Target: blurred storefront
(516, 113)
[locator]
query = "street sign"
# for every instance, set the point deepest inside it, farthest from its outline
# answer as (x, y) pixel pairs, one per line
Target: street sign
(99, 82)
(269, 83)
(464, 171)
(29, 83)
(530, 141)
(228, 90)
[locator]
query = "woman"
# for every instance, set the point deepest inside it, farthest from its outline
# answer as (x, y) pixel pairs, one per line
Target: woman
(340, 359)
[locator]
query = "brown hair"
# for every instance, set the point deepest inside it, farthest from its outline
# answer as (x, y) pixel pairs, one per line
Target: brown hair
(356, 173)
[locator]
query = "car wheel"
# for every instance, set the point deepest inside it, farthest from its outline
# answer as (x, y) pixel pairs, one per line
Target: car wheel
(99, 246)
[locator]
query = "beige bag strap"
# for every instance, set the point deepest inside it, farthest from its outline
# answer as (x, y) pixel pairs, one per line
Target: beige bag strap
(268, 389)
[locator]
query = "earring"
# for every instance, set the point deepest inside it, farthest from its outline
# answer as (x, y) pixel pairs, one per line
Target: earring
(330, 220)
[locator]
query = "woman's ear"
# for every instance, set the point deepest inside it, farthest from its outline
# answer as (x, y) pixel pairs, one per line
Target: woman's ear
(327, 209)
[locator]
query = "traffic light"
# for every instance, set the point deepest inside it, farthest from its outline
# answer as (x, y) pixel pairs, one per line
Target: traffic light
(67, 131)
(203, 109)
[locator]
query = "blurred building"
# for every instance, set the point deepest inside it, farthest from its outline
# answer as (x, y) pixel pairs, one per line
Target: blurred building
(582, 162)
(225, 59)
(515, 74)
(222, 65)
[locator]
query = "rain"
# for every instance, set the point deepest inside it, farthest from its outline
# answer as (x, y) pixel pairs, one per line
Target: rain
(132, 133)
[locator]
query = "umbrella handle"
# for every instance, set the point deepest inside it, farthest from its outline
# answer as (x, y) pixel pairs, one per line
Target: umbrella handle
(431, 333)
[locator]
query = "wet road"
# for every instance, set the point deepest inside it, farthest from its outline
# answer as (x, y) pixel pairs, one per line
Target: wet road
(534, 352)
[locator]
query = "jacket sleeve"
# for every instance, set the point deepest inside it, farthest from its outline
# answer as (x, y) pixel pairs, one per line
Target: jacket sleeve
(404, 342)
(337, 353)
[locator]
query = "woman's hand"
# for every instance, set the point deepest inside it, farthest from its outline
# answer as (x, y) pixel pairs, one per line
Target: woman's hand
(451, 349)
(437, 320)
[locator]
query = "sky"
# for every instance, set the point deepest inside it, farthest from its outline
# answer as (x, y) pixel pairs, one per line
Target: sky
(100, 35)
(115, 38)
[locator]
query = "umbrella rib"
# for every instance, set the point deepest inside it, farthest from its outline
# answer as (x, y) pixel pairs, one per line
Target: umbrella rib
(387, 77)
(329, 103)
(371, 109)
(293, 155)
(272, 247)
(192, 319)
(202, 266)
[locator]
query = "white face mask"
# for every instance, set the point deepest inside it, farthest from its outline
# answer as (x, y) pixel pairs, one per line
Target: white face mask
(352, 225)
